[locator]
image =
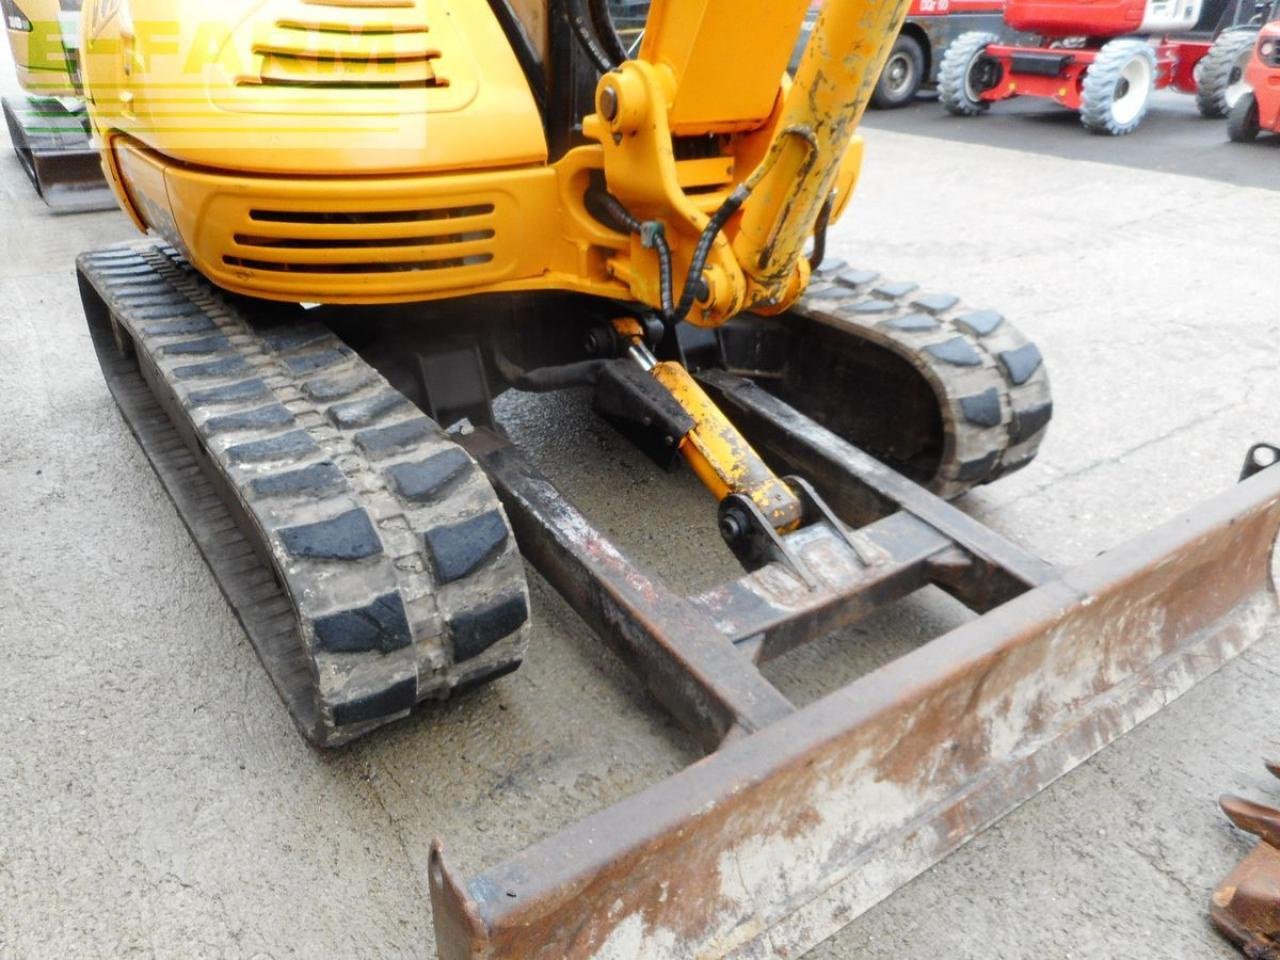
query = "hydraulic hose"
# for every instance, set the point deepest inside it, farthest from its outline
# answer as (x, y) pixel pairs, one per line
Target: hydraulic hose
(581, 21)
(584, 373)
(607, 34)
(693, 279)
(652, 235)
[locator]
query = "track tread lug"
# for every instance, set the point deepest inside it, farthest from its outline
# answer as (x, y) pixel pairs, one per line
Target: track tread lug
(389, 702)
(348, 536)
(287, 446)
(380, 626)
(316, 480)
(243, 390)
(1020, 364)
(982, 409)
(894, 290)
(475, 631)
(384, 441)
(326, 389)
(362, 413)
(856, 278)
(872, 306)
(273, 415)
(458, 549)
(980, 323)
(234, 366)
(194, 348)
(319, 360)
(173, 328)
(935, 303)
(1027, 423)
(957, 351)
(427, 480)
(912, 323)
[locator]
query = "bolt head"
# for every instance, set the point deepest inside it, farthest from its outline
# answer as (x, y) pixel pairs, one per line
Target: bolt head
(732, 526)
(609, 104)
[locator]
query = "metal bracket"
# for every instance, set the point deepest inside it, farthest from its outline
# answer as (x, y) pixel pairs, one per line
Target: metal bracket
(454, 384)
(816, 510)
(754, 541)
(1259, 458)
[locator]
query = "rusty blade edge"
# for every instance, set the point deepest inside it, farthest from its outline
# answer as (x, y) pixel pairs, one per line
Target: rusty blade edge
(925, 752)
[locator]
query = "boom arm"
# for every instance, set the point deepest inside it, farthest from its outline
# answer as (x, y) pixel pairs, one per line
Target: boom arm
(703, 79)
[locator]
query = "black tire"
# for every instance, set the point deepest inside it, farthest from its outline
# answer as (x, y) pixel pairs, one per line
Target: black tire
(902, 75)
(1220, 75)
(965, 72)
(1242, 121)
(1117, 88)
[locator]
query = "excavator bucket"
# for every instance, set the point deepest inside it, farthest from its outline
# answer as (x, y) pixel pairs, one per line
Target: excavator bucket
(53, 145)
(797, 825)
(1246, 905)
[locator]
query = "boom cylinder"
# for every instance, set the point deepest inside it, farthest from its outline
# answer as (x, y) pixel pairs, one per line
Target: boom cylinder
(837, 75)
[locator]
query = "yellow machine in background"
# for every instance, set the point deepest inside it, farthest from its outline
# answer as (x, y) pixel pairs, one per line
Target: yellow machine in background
(48, 126)
(39, 31)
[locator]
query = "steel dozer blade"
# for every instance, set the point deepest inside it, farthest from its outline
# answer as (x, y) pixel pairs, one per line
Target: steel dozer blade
(54, 147)
(807, 818)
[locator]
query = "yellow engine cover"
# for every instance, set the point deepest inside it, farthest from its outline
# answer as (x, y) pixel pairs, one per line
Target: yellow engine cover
(342, 151)
(312, 87)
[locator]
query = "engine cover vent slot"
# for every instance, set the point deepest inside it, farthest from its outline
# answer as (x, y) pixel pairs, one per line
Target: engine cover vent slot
(370, 216)
(365, 241)
(371, 267)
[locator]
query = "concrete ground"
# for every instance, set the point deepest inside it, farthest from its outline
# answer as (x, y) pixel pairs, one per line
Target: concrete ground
(155, 800)
(1173, 137)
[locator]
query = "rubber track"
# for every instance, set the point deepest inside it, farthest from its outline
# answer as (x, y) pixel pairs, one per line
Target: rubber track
(396, 574)
(989, 379)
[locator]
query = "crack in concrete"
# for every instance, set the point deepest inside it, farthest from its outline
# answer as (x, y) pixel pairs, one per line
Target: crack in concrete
(1118, 458)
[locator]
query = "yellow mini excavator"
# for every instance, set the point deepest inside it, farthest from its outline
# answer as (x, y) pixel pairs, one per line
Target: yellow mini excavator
(367, 219)
(48, 125)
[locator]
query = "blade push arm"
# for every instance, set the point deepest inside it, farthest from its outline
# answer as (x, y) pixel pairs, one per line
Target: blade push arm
(710, 80)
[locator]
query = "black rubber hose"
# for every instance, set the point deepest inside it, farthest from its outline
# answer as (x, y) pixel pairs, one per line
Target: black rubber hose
(580, 20)
(602, 19)
(613, 208)
(584, 373)
(693, 279)
(658, 240)
(654, 236)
